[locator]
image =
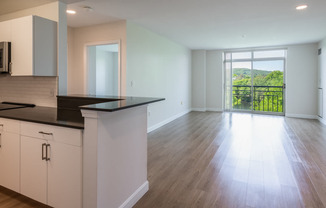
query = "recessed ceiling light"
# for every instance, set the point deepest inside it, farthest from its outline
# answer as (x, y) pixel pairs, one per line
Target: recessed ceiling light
(71, 11)
(301, 7)
(87, 8)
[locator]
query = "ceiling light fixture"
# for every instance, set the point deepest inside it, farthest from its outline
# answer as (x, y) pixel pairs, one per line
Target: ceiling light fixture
(301, 7)
(88, 8)
(70, 11)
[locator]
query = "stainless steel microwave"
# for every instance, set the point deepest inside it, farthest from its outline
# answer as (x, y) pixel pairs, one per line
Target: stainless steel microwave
(5, 57)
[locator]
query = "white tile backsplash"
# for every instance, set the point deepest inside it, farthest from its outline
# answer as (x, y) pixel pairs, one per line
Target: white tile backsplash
(41, 91)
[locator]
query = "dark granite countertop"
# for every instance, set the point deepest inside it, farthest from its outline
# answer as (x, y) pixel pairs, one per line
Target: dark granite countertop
(61, 117)
(42, 115)
(113, 103)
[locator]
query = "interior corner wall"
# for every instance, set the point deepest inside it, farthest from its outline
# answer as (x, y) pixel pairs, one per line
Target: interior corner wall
(207, 80)
(78, 38)
(214, 80)
(198, 69)
(158, 67)
(301, 81)
(322, 78)
(62, 62)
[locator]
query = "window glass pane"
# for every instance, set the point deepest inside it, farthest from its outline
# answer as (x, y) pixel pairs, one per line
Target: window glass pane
(241, 85)
(267, 85)
(241, 55)
(269, 54)
(269, 66)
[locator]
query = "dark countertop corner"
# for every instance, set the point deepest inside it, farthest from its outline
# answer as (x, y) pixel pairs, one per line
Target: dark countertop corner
(123, 103)
(42, 115)
(68, 113)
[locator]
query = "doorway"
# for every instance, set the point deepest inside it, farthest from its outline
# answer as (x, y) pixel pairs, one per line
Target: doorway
(254, 81)
(103, 69)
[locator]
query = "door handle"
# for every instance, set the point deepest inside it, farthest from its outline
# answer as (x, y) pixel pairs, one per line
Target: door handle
(42, 132)
(0, 140)
(47, 150)
(43, 157)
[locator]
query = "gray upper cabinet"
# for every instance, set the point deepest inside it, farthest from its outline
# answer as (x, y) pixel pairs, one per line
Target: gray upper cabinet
(33, 46)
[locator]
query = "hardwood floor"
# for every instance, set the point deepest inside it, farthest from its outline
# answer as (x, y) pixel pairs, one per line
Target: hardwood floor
(230, 160)
(236, 160)
(10, 199)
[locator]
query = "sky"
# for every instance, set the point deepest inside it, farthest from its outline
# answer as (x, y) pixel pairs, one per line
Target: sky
(277, 65)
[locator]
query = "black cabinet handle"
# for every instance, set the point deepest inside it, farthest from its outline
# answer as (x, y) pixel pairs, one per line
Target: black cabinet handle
(42, 132)
(47, 152)
(43, 157)
(0, 140)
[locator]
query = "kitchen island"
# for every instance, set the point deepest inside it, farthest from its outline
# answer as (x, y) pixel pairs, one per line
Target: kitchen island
(100, 159)
(115, 152)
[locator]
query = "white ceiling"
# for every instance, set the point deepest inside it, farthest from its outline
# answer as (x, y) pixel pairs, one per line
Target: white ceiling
(214, 24)
(204, 24)
(9, 6)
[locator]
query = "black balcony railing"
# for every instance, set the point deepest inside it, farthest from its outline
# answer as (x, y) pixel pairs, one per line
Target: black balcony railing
(258, 98)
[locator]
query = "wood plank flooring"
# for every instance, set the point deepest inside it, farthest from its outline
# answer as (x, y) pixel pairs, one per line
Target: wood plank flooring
(236, 160)
(10, 199)
(230, 160)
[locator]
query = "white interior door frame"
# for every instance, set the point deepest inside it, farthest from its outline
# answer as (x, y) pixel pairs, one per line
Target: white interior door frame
(85, 69)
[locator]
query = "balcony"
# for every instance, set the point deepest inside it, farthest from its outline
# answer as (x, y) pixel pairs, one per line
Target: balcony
(257, 98)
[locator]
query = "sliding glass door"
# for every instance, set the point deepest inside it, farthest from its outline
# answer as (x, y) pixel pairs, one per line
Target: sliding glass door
(254, 81)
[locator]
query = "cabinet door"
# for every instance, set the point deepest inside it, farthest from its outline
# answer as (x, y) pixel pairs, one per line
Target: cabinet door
(64, 175)
(44, 47)
(22, 46)
(5, 31)
(33, 169)
(9, 160)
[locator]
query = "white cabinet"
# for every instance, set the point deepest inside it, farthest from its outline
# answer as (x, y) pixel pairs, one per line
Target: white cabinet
(51, 164)
(5, 31)
(9, 154)
(33, 46)
(33, 169)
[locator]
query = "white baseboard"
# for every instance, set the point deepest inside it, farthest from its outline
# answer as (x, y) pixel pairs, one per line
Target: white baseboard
(133, 199)
(301, 116)
(215, 109)
(323, 121)
(156, 126)
(199, 109)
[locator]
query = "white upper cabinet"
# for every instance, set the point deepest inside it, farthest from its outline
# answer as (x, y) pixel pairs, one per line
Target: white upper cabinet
(33, 46)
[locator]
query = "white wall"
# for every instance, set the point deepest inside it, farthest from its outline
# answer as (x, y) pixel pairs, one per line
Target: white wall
(104, 73)
(207, 88)
(79, 38)
(214, 81)
(91, 70)
(301, 81)
(158, 67)
(198, 69)
(322, 77)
